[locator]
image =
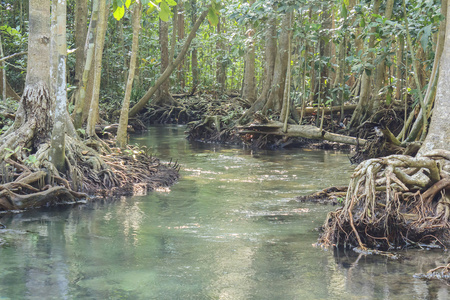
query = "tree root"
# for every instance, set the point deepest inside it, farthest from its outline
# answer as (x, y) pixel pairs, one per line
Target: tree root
(104, 171)
(440, 273)
(391, 202)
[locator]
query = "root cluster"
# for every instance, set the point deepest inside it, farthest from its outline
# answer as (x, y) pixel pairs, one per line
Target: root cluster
(92, 168)
(393, 202)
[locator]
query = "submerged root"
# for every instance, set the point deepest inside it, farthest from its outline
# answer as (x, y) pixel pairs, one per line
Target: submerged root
(391, 202)
(440, 273)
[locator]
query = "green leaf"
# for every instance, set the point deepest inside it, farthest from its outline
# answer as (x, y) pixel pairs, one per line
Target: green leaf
(344, 12)
(119, 12)
(425, 36)
(151, 9)
(213, 18)
(164, 13)
(171, 2)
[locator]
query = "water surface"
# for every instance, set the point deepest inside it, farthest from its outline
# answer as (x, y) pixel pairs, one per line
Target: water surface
(230, 229)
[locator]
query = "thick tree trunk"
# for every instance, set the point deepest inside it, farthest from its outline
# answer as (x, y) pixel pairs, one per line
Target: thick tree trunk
(275, 98)
(418, 124)
(34, 118)
(123, 121)
(439, 133)
(57, 150)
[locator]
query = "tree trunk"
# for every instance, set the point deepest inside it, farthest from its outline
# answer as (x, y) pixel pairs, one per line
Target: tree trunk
(57, 149)
(360, 114)
(3, 73)
(123, 121)
(81, 13)
(164, 97)
(249, 89)
(194, 52)
(143, 101)
(181, 32)
(99, 42)
(439, 132)
(431, 85)
(275, 98)
(221, 64)
(10, 93)
(381, 67)
(34, 118)
(270, 57)
(80, 103)
(400, 69)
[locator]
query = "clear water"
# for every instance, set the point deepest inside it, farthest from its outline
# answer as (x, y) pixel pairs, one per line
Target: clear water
(230, 229)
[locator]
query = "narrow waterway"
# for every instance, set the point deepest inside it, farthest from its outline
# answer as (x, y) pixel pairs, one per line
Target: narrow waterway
(230, 229)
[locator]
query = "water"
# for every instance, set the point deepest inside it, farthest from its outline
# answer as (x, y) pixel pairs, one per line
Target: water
(230, 229)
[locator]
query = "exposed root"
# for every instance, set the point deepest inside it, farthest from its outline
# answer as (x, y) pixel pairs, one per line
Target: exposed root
(391, 202)
(440, 273)
(102, 171)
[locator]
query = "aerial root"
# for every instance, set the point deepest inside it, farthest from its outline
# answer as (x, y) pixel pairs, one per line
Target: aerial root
(394, 201)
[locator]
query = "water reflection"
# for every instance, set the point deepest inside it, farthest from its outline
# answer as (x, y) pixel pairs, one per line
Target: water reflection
(229, 229)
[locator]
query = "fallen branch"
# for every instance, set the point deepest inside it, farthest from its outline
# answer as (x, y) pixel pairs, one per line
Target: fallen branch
(305, 131)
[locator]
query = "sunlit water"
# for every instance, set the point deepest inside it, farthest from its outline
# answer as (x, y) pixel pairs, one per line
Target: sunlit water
(230, 229)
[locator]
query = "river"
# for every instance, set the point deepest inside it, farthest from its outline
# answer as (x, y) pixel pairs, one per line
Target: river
(229, 229)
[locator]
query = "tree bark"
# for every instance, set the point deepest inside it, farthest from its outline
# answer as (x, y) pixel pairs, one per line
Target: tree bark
(10, 93)
(249, 89)
(81, 13)
(275, 98)
(221, 64)
(431, 86)
(439, 133)
(34, 117)
(123, 121)
(80, 108)
(164, 97)
(57, 149)
(99, 42)
(306, 131)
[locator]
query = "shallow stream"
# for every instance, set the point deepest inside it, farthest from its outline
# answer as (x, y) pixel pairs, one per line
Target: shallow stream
(230, 229)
